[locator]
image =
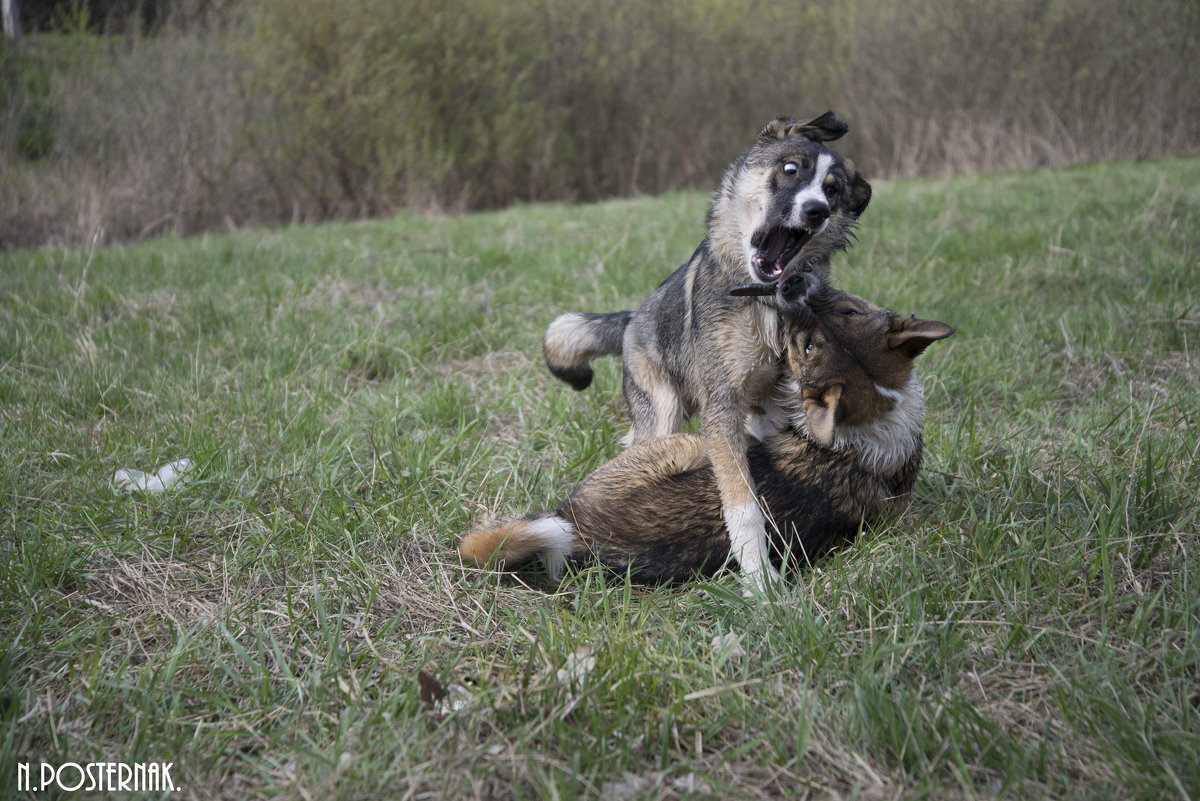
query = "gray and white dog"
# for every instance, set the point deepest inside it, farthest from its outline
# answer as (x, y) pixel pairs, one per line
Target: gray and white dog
(787, 203)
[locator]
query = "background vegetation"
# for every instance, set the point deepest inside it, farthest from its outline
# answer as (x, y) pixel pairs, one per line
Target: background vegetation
(353, 394)
(274, 111)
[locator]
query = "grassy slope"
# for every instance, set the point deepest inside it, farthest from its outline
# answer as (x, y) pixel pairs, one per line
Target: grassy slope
(354, 395)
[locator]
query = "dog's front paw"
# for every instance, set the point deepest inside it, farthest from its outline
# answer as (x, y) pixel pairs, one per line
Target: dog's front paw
(748, 546)
(754, 582)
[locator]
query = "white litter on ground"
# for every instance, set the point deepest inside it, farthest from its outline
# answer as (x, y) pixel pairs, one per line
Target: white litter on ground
(128, 480)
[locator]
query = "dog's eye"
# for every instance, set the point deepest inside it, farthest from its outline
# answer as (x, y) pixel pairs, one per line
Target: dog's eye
(808, 345)
(831, 188)
(790, 168)
(849, 312)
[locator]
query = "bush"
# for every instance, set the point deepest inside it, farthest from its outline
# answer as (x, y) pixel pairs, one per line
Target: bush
(307, 110)
(952, 85)
(362, 109)
(145, 141)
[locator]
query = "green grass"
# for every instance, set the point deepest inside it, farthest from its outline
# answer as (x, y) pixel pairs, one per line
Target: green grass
(353, 395)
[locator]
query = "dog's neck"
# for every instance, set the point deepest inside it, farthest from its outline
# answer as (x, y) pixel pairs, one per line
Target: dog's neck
(887, 443)
(884, 445)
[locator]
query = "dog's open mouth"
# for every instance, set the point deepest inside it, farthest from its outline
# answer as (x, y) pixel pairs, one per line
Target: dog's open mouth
(774, 248)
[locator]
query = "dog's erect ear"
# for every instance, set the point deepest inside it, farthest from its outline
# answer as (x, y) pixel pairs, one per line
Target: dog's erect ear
(776, 129)
(912, 336)
(820, 414)
(826, 128)
(860, 190)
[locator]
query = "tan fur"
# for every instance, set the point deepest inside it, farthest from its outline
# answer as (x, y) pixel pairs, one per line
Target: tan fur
(668, 409)
(498, 544)
(659, 457)
(740, 205)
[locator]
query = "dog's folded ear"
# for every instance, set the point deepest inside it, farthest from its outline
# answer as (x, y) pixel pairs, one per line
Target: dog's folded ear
(826, 128)
(860, 191)
(913, 336)
(820, 413)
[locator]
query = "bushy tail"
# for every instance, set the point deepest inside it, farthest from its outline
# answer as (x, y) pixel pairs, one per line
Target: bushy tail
(574, 339)
(507, 543)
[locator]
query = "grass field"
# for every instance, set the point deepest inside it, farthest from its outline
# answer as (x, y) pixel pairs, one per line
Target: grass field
(353, 395)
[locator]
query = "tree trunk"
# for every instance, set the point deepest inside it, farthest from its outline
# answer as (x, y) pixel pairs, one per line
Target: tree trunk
(12, 19)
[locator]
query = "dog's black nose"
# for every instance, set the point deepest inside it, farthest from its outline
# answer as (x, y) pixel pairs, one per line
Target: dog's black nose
(814, 212)
(796, 287)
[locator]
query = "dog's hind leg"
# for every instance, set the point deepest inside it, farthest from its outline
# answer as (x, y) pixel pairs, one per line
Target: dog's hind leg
(655, 406)
(654, 460)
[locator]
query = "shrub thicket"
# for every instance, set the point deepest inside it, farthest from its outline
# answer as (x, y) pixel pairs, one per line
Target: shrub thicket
(305, 110)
